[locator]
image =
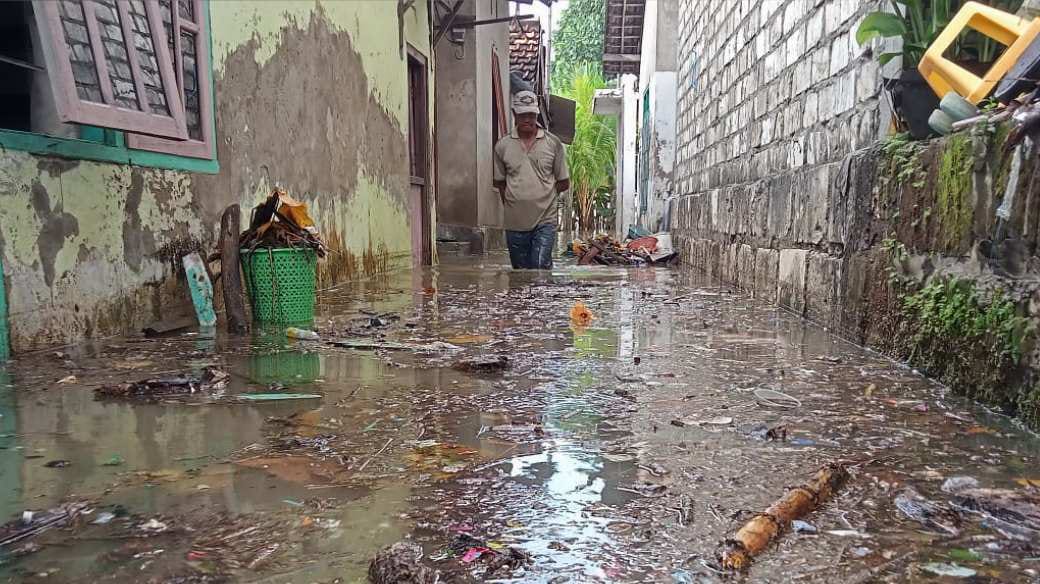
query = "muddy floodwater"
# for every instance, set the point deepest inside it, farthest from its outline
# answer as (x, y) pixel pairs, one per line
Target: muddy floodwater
(624, 451)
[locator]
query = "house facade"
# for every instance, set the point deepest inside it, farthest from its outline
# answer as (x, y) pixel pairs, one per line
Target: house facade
(128, 128)
(472, 97)
(640, 50)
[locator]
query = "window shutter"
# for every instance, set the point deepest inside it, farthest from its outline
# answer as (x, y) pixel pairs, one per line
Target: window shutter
(109, 67)
(186, 35)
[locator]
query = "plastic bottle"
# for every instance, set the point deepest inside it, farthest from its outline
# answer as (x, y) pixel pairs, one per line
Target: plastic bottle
(302, 334)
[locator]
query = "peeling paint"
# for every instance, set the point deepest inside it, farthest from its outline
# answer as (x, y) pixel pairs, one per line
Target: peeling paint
(311, 96)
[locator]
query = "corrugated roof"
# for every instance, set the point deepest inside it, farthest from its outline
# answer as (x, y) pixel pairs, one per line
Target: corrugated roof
(623, 36)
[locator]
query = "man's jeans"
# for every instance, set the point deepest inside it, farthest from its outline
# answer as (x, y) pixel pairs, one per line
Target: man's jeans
(532, 249)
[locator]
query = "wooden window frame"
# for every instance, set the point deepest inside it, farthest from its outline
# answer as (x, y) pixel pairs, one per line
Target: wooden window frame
(189, 147)
(72, 108)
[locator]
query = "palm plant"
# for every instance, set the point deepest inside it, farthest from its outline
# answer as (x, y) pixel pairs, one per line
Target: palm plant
(590, 156)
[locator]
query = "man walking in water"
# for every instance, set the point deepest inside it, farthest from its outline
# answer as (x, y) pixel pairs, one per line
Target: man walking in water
(530, 173)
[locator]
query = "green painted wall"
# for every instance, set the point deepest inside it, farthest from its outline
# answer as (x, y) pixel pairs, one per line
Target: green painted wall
(310, 96)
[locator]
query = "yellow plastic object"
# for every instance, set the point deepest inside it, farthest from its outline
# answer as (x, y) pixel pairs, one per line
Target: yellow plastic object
(944, 75)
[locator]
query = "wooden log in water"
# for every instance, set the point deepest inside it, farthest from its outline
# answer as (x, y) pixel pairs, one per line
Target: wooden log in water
(757, 533)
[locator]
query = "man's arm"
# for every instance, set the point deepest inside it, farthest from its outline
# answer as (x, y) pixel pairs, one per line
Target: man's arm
(499, 171)
(560, 170)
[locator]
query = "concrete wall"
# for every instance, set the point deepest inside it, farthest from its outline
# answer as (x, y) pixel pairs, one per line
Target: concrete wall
(310, 96)
(625, 172)
(657, 84)
(466, 196)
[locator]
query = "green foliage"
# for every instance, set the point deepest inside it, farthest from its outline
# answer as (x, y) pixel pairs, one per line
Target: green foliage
(590, 157)
(919, 22)
(898, 257)
(577, 44)
(904, 159)
(949, 309)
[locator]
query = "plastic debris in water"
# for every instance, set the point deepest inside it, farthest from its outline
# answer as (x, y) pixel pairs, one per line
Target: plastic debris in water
(803, 526)
(104, 518)
(277, 396)
(473, 553)
(581, 316)
(952, 570)
(302, 334)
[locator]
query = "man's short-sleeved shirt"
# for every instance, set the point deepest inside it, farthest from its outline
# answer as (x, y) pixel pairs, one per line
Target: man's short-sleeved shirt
(530, 177)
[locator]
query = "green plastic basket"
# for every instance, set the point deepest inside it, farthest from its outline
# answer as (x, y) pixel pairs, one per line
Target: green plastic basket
(280, 284)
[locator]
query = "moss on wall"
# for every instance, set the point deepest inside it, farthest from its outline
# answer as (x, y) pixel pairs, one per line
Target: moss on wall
(973, 344)
(953, 188)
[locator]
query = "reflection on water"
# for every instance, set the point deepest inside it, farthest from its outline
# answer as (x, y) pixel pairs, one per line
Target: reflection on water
(561, 455)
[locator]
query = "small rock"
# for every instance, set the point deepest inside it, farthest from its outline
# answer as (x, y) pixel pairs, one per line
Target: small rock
(483, 364)
(400, 563)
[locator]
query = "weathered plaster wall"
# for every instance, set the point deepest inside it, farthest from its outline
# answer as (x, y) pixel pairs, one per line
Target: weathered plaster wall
(657, 83)
(465, 194)
(310, 96)
(456, 101)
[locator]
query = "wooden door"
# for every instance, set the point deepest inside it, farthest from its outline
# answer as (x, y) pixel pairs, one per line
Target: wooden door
(419, 163)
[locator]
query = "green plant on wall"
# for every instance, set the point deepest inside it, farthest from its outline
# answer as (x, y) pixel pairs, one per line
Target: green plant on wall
(950, 309)
(975, 346)
(953, 188)
(904, 160)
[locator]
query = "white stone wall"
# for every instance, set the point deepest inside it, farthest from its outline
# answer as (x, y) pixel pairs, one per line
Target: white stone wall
(770, 87)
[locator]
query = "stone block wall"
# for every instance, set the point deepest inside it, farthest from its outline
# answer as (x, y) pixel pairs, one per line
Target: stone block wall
(773, 96)
(789, 189)
(778, 86)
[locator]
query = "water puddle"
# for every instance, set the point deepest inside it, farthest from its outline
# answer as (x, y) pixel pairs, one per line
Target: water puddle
(622, 451)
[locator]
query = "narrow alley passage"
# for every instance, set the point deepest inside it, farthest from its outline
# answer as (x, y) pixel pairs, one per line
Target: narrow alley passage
(624, 451)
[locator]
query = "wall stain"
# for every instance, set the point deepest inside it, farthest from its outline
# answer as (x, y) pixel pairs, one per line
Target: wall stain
(54, 167)
(321, 121)
(56, 226)
(137, 241)
(172, 251)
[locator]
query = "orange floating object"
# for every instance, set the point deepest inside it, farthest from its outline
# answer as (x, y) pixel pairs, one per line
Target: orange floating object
(580, 314)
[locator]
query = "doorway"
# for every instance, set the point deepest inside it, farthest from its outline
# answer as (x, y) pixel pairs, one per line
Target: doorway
(418, 159)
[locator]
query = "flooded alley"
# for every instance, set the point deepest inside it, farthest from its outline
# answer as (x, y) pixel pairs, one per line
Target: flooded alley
(460, 408)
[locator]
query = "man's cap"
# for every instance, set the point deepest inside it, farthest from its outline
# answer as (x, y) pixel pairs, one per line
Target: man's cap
(525, 102)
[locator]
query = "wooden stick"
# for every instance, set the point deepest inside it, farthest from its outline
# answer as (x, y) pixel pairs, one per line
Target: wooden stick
(234, 305)
(765, 527)
(381, 450)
